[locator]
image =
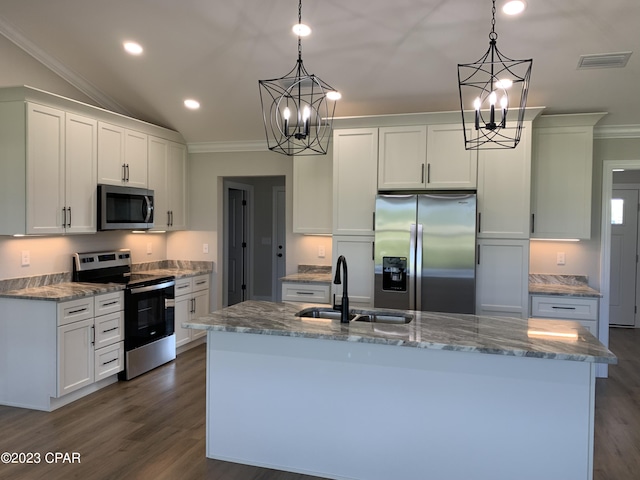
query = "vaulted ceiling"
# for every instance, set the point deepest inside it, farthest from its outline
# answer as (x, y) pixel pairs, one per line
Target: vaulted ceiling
(384, 56)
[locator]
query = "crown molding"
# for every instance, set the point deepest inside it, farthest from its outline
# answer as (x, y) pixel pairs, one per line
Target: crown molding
(14, 35)
(616, 131)
(219, 147)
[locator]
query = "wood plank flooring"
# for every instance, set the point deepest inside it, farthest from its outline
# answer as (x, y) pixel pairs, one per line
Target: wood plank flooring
(153, 427)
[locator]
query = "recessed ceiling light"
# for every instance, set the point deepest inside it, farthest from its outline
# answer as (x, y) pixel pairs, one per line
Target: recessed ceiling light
(192, 104)
(514, 7)
(301, 30)
(133, 48)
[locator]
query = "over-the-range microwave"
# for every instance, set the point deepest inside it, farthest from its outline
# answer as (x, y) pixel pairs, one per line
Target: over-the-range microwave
(124, 208)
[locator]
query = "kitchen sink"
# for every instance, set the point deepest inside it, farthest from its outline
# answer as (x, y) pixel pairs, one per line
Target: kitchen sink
(356, 316)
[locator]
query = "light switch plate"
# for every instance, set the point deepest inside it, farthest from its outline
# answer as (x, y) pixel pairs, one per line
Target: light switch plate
(321, 252)
(26, 258)
(205, 248)
(560, 258)
(149, 248)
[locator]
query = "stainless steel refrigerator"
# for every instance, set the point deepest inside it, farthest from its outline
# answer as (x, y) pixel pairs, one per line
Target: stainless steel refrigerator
(425, 252)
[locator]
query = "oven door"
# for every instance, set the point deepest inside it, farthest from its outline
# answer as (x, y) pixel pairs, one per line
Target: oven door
(149, 313)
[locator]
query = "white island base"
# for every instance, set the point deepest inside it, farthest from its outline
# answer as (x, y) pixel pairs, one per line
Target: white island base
(348, 410)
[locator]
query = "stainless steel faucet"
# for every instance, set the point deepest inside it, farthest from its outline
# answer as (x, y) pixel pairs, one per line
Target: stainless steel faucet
(344, 307)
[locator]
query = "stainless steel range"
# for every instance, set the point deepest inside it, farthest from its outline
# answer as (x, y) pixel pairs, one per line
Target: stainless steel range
(149, 308)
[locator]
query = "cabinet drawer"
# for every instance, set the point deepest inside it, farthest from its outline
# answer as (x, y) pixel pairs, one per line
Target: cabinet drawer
(109, 329)
(109, 303)
(572, 308)
(183, 286)
(109, 360)
(201, 282)
(304, 292)
(75, 310)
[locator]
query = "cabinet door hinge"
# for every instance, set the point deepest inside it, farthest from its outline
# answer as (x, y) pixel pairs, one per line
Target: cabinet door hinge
(244, 287)
(244, 203)
(244, 244)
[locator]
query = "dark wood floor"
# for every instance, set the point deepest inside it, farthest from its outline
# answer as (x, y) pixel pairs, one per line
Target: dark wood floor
(153, 427)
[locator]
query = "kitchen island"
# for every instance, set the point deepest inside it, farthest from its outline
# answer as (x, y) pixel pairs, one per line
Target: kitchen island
(446, 396)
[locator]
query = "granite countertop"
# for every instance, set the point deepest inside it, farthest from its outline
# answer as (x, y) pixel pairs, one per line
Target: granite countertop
(310, 274)
(60, 288)
(561, 285)
(441, 331)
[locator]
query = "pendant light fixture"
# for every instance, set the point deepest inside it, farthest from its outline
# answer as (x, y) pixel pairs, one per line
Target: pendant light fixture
(298, 108)
(493, 91)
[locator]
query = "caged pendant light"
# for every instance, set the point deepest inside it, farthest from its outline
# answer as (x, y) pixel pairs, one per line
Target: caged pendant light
(298, 108)
(496, 87)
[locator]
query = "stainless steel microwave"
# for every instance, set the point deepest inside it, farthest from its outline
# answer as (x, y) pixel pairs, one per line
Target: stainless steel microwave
(124, 208)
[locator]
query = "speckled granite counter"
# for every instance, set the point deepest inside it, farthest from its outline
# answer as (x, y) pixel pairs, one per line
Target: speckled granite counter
(562, 285)
(310, 274)
(467, 333)
(60, 288)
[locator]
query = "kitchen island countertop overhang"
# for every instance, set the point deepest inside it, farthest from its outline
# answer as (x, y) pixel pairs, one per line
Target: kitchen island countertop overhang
(559, 340)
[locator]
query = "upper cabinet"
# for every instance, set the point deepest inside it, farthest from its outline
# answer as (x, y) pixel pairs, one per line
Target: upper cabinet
(449, 165)
(167, 177)
(47, 170)
(122, 156)
(402, 156)
(355, 160)
(312, 194)
(562, 171)
(504, 186)
(425, 157)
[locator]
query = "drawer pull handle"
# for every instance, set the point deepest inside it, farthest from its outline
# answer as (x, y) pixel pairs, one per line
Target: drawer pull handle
(304, 293)
(110, 361)
(108, 304)
(80, 310)
(201, 282)
(110, 330)
(182, 286)
(564, 308)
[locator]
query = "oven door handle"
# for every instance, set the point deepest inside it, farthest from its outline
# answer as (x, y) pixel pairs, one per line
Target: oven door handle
(149, 209)
(150, 288)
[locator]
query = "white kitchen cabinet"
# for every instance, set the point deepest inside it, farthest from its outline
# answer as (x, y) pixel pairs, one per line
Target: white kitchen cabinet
(402, 157)
(312, 194)
(355, 172)
(191, 302)
(47, 170)
(449, 164)
(502, 278)
(358, 251)
(167, 177)
(562, 166)
(504, 186)
(306, 292)
(90, 348)
(122, 156)
(581, 309)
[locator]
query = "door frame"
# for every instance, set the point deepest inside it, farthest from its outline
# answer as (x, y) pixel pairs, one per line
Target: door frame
(605, 249)
(227, 185)
(276, 290)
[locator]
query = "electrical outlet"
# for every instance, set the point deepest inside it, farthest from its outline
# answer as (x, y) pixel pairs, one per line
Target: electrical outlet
(26, 258)
(560, 258)
(321, 252)
(205, 248)
(149, 248)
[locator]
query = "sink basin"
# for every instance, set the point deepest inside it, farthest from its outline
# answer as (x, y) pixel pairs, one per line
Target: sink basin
(395, 319)
(328, 313)
(355, 316)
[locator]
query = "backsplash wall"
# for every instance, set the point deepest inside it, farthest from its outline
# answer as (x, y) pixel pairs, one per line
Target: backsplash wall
(53, 254)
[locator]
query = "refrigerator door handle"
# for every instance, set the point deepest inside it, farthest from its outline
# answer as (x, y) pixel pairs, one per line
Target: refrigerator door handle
(412, 266)
(418, 268)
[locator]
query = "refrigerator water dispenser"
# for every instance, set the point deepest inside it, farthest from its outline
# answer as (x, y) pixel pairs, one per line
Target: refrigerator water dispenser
(394, 274)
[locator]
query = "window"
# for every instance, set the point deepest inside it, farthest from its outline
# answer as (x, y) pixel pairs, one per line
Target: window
(617, 211)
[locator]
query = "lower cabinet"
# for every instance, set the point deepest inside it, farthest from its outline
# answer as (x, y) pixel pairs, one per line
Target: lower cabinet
(306, 292)
(581, 309)
(502, 278)
(192, 301)
(358, 251)
(90, 347)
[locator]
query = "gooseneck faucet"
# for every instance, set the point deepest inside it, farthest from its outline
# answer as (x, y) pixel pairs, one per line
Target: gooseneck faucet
(344, 308)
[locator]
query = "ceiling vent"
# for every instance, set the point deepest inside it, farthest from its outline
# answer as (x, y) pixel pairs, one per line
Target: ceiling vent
(604, 60)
